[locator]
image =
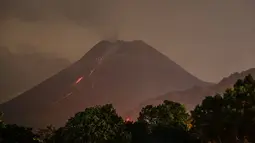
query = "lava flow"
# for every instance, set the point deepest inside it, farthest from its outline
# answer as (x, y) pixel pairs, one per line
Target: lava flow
(79, 80)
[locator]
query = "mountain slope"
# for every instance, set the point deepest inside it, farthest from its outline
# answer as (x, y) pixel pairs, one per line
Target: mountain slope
(19, 72)
(193, 96)
(122, 73)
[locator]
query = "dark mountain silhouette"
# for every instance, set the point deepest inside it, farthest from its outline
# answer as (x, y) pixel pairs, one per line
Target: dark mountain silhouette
(193, 96)
(122, 73)
(21, 71)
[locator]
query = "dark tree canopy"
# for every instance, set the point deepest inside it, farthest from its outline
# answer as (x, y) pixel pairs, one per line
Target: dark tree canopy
(167, 114)
(45, 135)
(1, 121)
(99, 124)
(166, 122)
(17, 134)
(138, 132)
(227, 117)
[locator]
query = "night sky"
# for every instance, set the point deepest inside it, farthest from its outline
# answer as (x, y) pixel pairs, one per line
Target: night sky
(209, 38)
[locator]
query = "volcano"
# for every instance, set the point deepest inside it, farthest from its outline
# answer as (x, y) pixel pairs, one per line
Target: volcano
(123, 73)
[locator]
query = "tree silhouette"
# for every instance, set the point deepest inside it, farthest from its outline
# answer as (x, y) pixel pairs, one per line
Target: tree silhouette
(138, 132)
(17, 134)
(1, 121)
(227, 117)
(166, 122)
(99, 124)
(167, 114)
(46, 134)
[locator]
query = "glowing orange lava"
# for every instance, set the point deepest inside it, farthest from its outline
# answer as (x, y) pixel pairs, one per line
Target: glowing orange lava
(79, 80)
(128, 120)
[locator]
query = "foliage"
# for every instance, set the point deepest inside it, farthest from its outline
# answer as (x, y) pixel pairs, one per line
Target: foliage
(167, 114)
(165, 122)
(17, 134)
(1, 121)
(227, 117)
(99, 124)
(44, 135)
(138, 132)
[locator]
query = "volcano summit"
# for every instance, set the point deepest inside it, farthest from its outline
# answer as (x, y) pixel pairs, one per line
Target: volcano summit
(122, 73)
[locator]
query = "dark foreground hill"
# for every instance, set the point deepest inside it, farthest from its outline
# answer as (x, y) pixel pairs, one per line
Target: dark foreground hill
(194, 96)
(21, 71)
(122, 73)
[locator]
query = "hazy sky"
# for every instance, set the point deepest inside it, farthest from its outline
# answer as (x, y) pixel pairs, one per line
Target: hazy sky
(209, 38)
